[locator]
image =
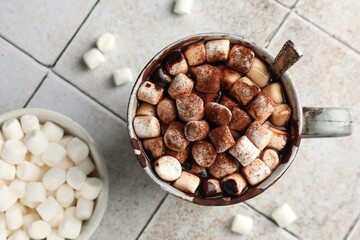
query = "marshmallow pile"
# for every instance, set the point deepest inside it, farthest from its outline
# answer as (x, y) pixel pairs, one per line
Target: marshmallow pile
(45, 190)
(211, 111)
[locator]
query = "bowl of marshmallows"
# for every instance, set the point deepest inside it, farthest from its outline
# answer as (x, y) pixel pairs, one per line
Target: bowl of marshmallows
(53, 180)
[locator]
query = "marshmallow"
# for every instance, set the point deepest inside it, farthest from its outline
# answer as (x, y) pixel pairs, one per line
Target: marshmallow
(65, 140)
(122, 76)
(207, 78)
(1, 143)
(70, 213)
(75, 178)
(49, 209)
(7, 171)
(271, 158)
(12, 129)
(233, 184)
(211, 188)
(32, 205)
(258, 73)
(259, 135)
(54, 178)
(19, 235)
(160, 77)
(174, 137)
(283, 215)
(168, 168)
(196, 130)
(35, 192)
(278, 140)
(190, 107)
(28, 171)
(55, 222)
(175, 63)
(229, 77)
(2, 221)
(240, 58)
(197, 169)
(150, 93)
(240, 120)
(224, 165)
(203, 153)
(274, 91)
(221, 138)
(70, 228)
(67, 163)
(207, 97)
(236, 135)
(93, 58)
(54, 236)
(244, 90)
(155, 147)
(183, 7)
(3, 234)
(13, 151)
(166, 110)
(256, 171)
(105, 42)
(36, 142)
(39, 229)
(37, 160)
(242, 224)
(14, 218)
(228, 102)
(281, 115)
(261, 107)
(244, 151)
(217, 50)
(181, 84)
(77, 150)
(28, 219)
(65, 195)
(217, 113)
(91, 188)
(187, 182)
(22, 208)
(146, 127)
(84, 208)
(195, 54)
(181, 156)
(87, 166)
(146, 109)
(29, 123)
(18, 187)
(53, 132)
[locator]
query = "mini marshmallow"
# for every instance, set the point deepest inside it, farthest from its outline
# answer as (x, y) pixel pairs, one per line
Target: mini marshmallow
(87, 166)
(65, 140)
(174, 137)
(203, 153)
(181, 84)
(14, 218)
(244, 90)
(91, 188)
(7, 171)
(271, 158)
(207, 78)
(256, 171)
(196, 130)
(18, 187)
(281, 115)
(54, 236)
(229, 77)
(217, 113)
(70, 213)
(122, 76)
(233, 184)
(28, 219)
(146, 109)
(207, 97)
(261, 107)
(19, 235)
(35, 192)
(240, 120)
(54, 178)
(36, 142)
(197, 169)
(211, 188)
(29, 123)
(146, 127)
(181, 156)
(77, 150)
(190, 107)
(13, 151)
(221, 138)
(274, 91)
(93, 58)
(70, 228)
(160, 78)
(155, 147)
(187, 182)
(217, 50)
(150, 93)
(105, 42)
(36, 160)
(65, 195)
(195, 54)
(22, 208)
(53, 132)
(28, 171)
(240, 58)
(283, 215)
(278, 140)
(166, 110)
(242, 224)
(259, 135)
(244, 151)
(12, 129)
(39, 229)
(67, 163)
(175, 63)
(75, 178)
(183, 7)
(49, 209)
(224, 165)
(31, 205)
(84, 208)
(55, 222)
(258, 73)
(168, 168)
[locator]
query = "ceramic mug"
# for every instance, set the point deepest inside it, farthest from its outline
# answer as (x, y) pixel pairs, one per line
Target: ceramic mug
(306, 122)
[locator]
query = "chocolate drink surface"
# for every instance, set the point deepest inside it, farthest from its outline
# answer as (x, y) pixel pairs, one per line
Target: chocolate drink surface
(212, 119)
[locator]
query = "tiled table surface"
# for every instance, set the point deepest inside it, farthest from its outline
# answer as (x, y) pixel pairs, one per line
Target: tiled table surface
(41, 44)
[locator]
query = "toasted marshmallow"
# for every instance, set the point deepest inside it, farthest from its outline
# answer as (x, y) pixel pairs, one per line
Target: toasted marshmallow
(256, 171)
(150, 93)
(233, 184)
(145, 109)
(278, 139)
(154, 146)
(228, 102)
(196, 130)
(146, 127)
(195, 54)
(168, 168)
(281, 115)
(174, 137)
(274, 91)
(197, 169)
(258, 73)
(221, 138)
(203, 153)
(181, 84)
(181, 156)
(244, 90)
(261, 107)
(244, 151)
(190, 107)
(240, 120)
(283, 215)
(166, 110)
(187, 182)
(159, 77)
(175, 63)
(259, 135)
(217, 50)
(217, 113)
(236, 135)
(271, 158)
(229, 77)
(211, 187)
(208, 97)
(240, 58)
(207, 78)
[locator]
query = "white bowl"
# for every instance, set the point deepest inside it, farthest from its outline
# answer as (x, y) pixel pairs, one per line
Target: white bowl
(73, 128)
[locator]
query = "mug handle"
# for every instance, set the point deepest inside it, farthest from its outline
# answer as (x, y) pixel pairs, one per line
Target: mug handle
(326, 122)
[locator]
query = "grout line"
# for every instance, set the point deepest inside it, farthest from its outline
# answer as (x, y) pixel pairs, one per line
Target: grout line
(355, 226)
(35, 91)
(271, 220)
(152, 216)
(273, 34)
(73, 36)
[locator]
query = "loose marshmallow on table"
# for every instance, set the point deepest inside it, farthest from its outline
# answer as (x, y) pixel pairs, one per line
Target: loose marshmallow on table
(77, 150)
(91, 188)
(19, 235)
(52, 131)
(49, 209)
(70, 228)
(54, 178)
(28, 171)
(12, 129)
(75, 178)
(87, 166)
(29, 123)
(122, 76)
(183, 7)
(84, 208)
(18, 187)
(65, 195)
(283, 215)
(242, 224)
(13, 151)
(39, 229)
(35, 192)
(105, 42)
(7, 171)
(36, 142)
(168, 168)
(93, 58)
(14, 217)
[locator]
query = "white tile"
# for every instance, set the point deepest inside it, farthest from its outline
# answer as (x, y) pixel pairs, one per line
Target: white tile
(19, 77)
(142, 28)
(288, 3)
(133, 196)
(355, 232)
(42, 28)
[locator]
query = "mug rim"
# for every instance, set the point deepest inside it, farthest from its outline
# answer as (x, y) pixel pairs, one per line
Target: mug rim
(290, 92)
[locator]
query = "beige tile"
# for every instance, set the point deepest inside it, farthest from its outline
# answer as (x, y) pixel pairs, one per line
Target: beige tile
(322, 185)
(42, 28)
(19, 77)
(339, 18)
(288, 3)
(177, 219)
(133, 196)
(142, 28)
